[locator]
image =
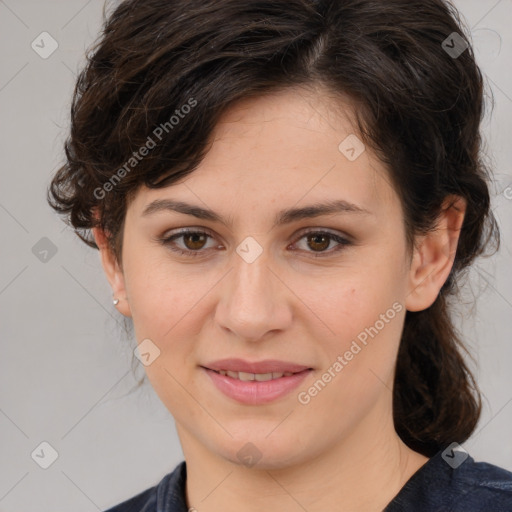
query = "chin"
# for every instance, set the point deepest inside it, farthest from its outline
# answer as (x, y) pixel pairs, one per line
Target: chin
(263, 454)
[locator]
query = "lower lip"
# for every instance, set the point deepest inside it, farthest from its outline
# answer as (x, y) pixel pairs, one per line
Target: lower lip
(256, 392)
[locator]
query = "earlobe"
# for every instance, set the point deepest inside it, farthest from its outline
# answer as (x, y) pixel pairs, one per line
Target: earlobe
(113, 272)
(434, 255)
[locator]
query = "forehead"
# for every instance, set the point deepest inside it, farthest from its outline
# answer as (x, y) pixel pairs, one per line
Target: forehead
(281, 149)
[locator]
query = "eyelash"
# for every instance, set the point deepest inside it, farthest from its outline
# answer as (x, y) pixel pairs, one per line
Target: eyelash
(167, 241)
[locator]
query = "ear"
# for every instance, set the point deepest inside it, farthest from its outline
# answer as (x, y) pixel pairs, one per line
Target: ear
(113, 271)
(433, 256)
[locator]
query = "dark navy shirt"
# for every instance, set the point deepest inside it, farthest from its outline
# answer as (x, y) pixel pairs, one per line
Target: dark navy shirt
(442, 484)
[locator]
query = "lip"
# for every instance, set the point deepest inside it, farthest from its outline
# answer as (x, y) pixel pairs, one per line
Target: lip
(266, 366)
(256, 392)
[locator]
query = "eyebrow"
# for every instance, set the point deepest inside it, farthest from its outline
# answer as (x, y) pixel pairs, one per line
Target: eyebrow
(282, 217)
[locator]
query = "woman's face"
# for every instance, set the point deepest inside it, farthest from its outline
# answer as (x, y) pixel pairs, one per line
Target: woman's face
(271, 281)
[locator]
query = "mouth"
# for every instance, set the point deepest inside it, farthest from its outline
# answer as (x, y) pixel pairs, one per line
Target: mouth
(255, 383)
(245, 370)
(260, 377)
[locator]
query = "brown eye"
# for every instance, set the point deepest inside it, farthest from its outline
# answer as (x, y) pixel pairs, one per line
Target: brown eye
(318, 242)
(194, 241)
(188, 242)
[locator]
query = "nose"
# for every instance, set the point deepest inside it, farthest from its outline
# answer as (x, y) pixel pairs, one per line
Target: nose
(254, 301)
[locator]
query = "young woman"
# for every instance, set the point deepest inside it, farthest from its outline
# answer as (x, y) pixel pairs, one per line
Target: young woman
(284, 194)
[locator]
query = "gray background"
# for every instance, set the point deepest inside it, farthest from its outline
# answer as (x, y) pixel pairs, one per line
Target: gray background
(65, 366)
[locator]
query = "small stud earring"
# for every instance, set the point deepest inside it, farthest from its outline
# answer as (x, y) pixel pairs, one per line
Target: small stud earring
(116, 302)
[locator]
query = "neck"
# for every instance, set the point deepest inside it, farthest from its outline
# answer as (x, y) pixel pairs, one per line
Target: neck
(364, 471)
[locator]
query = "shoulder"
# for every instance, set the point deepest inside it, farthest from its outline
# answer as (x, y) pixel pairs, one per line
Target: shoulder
(452, 481)
(166, 496)
(481, 485)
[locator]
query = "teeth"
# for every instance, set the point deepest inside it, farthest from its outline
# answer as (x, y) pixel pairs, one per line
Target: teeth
(245, 376)
(260, 377)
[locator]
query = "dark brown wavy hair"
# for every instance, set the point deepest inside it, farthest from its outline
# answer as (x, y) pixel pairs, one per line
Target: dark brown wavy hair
(419, 107)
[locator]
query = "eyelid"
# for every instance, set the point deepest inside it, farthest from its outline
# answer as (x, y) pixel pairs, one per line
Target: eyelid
(326, 231)
(188, 229)
(342, 239)
(173, 234)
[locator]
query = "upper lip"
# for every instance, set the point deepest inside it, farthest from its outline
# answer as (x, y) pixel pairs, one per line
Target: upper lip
(266, 366)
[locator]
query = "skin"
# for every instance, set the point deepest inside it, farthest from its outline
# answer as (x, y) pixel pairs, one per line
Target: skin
(340, 451)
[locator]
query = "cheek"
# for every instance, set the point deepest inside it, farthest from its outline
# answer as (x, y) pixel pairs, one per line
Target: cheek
(166, 304)
(359, 359)
(344, 303)
(359, 316)
(159, 293)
